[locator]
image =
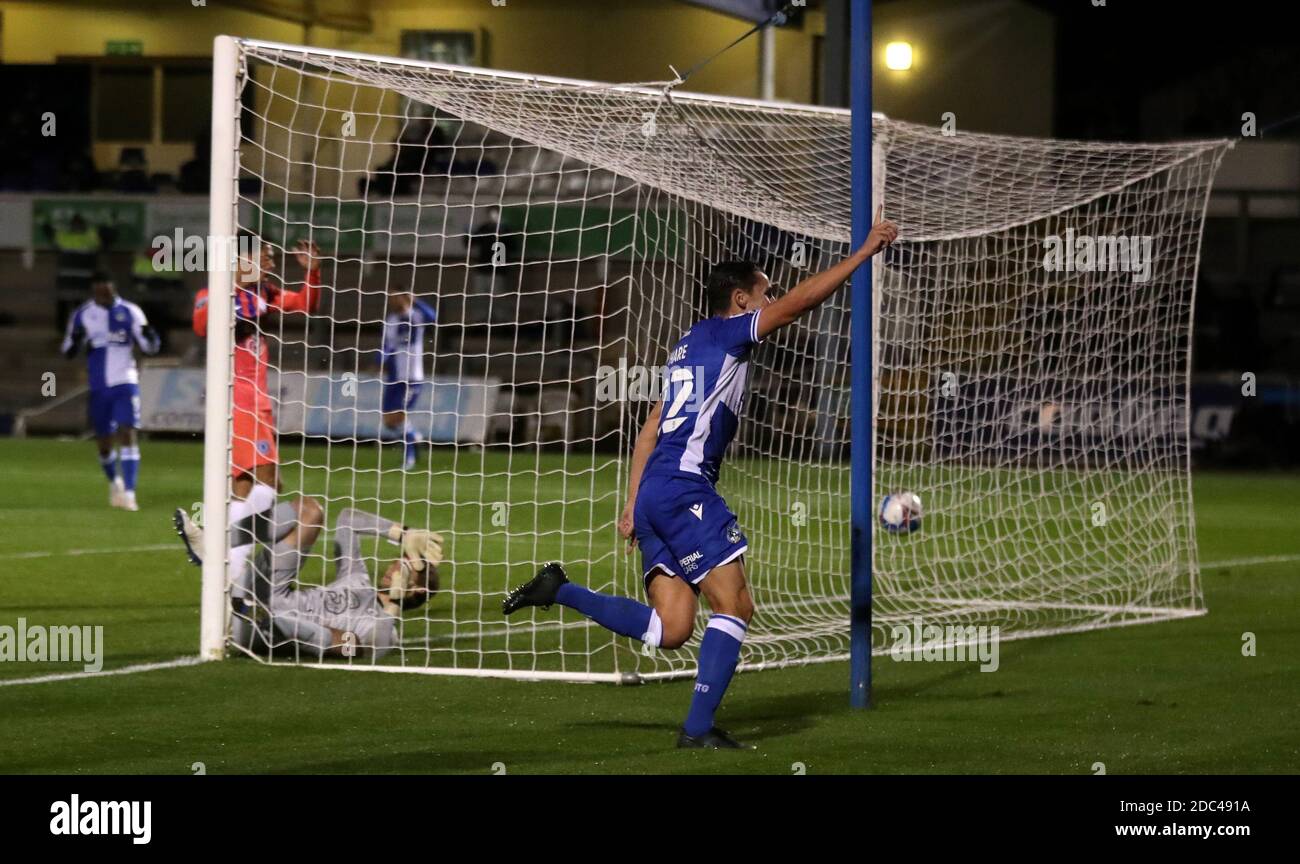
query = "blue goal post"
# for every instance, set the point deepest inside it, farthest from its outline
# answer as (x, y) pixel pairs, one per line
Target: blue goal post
(860, 377)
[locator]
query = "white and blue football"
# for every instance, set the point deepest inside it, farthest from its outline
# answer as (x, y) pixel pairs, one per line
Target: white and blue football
(900, 512)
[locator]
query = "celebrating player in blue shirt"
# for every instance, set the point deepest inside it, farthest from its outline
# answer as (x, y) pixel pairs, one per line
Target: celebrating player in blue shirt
(111, 328)
(689, 538)
(403, 366)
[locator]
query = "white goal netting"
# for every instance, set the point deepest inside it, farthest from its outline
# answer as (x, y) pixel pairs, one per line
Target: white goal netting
(1032, 351)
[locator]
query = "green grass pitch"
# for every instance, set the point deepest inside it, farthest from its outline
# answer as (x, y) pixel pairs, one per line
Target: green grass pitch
(1170, 697)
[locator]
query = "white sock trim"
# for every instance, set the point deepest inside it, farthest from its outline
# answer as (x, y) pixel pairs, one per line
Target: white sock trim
(654, 631)
(733, 627)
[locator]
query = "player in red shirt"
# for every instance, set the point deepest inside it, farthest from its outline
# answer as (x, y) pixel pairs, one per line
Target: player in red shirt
(254, 457)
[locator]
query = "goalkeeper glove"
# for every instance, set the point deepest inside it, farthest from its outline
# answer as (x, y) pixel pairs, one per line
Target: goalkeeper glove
(418, 546)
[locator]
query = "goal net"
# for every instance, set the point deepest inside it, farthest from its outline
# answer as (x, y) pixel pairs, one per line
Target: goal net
(1032, 343)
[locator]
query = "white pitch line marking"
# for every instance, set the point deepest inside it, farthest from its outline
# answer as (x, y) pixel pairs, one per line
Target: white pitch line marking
(153, 547)
(104, 673)
(1249, 562)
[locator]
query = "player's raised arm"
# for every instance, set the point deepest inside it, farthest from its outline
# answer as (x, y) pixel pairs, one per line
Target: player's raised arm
(813, 291)
(645, 443)
(308, 298)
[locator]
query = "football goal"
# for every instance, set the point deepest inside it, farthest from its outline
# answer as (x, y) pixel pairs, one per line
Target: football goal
(1032, 343)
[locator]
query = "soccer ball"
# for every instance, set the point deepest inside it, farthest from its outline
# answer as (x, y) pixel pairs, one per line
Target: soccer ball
(900, 512)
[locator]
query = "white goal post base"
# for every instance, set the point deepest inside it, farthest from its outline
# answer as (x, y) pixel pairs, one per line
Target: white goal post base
(1032, 352)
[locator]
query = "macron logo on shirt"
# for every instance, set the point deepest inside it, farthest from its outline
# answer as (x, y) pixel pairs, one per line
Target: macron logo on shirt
(698, 510)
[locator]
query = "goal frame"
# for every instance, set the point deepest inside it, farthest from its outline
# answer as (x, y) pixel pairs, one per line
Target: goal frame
(861, 361)
(214, 604)
(222, 225)
(232, 55)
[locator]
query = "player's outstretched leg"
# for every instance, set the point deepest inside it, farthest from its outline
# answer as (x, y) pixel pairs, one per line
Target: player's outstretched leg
(538, 591)
(622, 615)
(728, 596)
(262, 527)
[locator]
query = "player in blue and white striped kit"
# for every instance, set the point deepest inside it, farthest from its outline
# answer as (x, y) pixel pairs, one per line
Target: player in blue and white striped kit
(111, 328)
(402, 362)
(690, 540)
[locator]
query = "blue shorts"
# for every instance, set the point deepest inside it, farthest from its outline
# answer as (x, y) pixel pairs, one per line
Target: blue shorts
(400, 396)
(114, 408)
(684, 528)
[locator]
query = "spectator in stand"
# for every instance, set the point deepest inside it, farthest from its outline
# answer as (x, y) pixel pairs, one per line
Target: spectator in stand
(78, 246)
(158, 288)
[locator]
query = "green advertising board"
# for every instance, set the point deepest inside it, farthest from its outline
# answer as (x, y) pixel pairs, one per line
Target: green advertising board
(564, 231)
(338, 228)
(121, 221)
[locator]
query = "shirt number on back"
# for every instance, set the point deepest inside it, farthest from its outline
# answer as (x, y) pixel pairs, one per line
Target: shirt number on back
(686, 378)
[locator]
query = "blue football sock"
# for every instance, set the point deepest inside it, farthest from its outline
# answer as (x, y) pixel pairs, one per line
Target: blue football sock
(623, 615)
(719, 652)
(411, 438)
(108, 462)
(130, 467)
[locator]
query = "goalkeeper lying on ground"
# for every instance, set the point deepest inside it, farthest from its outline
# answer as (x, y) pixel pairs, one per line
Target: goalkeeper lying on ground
(350, 617)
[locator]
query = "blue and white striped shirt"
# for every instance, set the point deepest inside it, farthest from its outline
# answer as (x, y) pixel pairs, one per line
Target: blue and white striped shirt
(110, 334)
(704, 393)
(403, 349)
